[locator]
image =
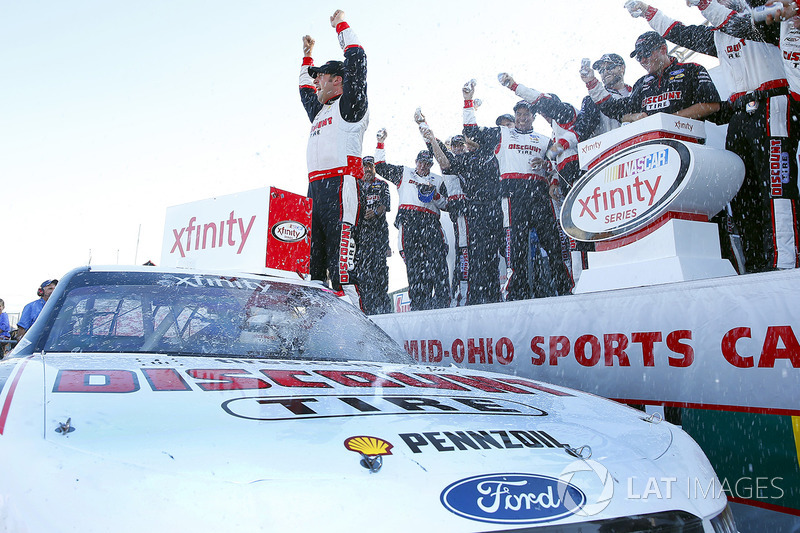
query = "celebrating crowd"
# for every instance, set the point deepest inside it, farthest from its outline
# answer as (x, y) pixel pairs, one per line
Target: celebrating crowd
(502, 185)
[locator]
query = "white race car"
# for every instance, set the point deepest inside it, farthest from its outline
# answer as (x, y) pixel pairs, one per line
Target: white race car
(146, 399)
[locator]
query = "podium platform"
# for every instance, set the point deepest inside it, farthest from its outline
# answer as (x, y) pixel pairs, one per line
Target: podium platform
(651, 188)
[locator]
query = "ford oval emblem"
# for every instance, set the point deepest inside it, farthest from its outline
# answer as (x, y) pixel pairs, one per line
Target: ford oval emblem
(289, 231)
(513, 498)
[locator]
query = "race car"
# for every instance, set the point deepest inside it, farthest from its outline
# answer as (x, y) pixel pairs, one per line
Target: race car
(149, 399)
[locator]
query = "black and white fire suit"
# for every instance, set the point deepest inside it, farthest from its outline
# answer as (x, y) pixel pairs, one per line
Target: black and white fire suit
(678, 86)
(769, 225)
(480, 181)
(760, 131)
(334, 165)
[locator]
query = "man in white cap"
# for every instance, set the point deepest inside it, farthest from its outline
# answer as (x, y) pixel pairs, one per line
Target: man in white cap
(591, 121)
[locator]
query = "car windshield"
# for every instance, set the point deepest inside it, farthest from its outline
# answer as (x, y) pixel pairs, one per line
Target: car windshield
(211, 315)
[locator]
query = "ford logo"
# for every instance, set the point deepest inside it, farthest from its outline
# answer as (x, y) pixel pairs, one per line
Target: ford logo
(289, 231)
(513, 498)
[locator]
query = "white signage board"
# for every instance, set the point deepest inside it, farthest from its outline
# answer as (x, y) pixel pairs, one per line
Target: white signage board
(226, 232)
(726, 343)
(659, 125)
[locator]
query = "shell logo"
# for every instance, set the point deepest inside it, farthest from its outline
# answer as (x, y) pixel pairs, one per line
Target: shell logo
(369, 446)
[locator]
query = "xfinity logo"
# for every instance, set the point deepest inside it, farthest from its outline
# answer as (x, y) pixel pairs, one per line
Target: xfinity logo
(595, 145)
(289, 231)
(592, 205)
(683, 125)
(212, 234)
(627, 191)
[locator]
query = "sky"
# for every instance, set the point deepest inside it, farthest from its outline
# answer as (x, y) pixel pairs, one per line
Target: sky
(112, 111)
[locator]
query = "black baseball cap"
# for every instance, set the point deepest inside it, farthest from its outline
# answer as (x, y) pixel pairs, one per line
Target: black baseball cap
(501, 118)
(425, 156)
(331, 67)
(457, 139)
(368, 160)
(608, 58)
(524, 103)
(647, 42)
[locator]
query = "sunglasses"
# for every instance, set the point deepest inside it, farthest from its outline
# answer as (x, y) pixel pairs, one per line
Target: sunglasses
(603, 69)
(644, 55)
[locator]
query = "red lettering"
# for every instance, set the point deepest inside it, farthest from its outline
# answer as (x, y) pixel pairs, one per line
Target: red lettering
(580, 350)
(435, 351)
(351, 378)
(647, 339)
(96, 381)
(771, 351)
(412, 347)
(433, 381)
(559, 347)
(504, 351)
(674, 344)
(165, 379)
(486, 384)
(535, 386)
(729, 351)
(286, 378)
(223, 379)
(472, 350)
(615, 344)
(457, 351)
(539, 357)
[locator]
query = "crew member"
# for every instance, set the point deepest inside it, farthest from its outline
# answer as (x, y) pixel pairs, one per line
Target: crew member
(32, 310)
(335, 99)
(478, 230)
(762, 135)
(525, 188)
(591, 121)
(682, 89)
(373, 242)
(421, 239)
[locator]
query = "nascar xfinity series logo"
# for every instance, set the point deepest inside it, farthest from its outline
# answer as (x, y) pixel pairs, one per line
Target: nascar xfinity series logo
(625, 193)
(289, 231)
(513, 498)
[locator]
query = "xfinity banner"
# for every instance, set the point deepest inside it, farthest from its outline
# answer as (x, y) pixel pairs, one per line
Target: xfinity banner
(247, 231)
(729, 343)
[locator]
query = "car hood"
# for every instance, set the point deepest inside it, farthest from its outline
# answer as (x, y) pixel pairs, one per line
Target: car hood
(160, 411)
(311, 427)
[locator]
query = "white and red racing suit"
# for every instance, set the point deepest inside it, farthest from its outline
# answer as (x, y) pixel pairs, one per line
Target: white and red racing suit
(334, 165)
(421, 241)
(771, 234)
(759, 131)
(526, 205)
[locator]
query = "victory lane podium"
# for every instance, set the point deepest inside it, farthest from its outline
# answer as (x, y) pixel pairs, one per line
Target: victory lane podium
(650, 190)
